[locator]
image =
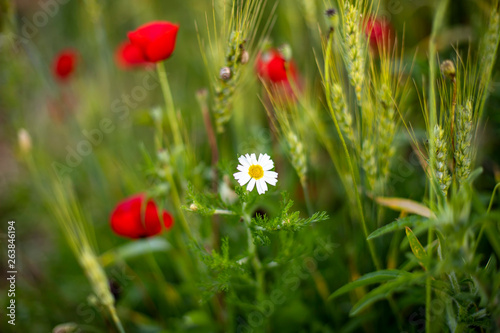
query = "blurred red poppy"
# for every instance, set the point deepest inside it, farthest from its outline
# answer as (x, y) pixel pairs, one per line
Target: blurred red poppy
(272, 66)
(379, 32)
(64, 64)
(128, 55)
(156, 40)
(134, 218)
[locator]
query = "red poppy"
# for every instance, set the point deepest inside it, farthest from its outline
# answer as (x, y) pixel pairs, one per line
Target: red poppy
(272, 66)
(64, 64)
(134, 218)
(156, 40)
(128, 55)
(379, 33)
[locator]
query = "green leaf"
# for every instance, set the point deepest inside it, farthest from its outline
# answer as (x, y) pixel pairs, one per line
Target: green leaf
(442, 244)
(417, 248)
(370, 278)
(135, 249)
(383, 291)
(397, 225)
(285, 221)
(474, 174)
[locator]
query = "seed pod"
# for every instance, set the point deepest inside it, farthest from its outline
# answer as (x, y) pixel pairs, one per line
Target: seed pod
(332, 16)
(448, 69)
(244, 57)
(330, 12)
(225, 73)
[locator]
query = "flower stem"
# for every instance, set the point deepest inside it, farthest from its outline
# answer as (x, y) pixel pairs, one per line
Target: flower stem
(252, 251)
(428, 289)
(169, 104)
(307, 198)
(177, 203)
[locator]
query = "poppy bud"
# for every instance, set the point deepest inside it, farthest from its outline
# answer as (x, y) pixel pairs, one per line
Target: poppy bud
(136, 217)
(448, 69)
(225, 73)
(64, 64)
(156, 40)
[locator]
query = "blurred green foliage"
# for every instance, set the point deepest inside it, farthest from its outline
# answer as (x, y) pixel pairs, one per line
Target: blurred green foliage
(51, 288)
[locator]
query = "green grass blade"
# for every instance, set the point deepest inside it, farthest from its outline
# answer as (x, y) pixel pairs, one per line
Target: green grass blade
(397, 225)
(134, 249)
(370, 278)
(383, 291)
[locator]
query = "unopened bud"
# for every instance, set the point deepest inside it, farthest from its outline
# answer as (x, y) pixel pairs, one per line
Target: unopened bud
(332, 16)
(24, 139)
(193, 207)
(244, 57)
(330, 12)
(225, 73)
(448, 69)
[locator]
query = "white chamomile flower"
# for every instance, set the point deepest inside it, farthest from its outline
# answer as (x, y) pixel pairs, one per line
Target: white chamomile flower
(256, 172)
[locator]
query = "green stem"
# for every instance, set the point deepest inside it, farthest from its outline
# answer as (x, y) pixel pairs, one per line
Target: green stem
(254, 257)
(436, 25)
(116, 320)
(177, 203)
(371, 246)
(428, 289)
(487, 212)
(169, 104)
(492, 197)
(307, 197)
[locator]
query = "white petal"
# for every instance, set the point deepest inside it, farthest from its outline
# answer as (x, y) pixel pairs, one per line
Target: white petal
(266, 162)
(244, 161)
(270, 174)
(263, 185)
(242, 177)
(251, 184)
(262, 158)
(259, 186)
(268, 165)
(243, 168)
(270, 180)
(253, 159)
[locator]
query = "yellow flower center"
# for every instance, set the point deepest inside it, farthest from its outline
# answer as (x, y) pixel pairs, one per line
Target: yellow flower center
(255, 171)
